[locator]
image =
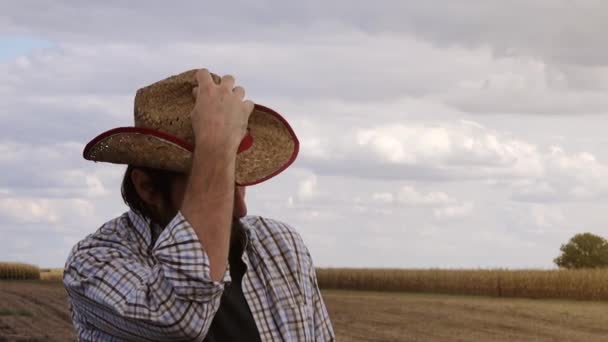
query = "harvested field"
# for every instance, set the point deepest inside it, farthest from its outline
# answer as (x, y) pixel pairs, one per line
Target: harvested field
(42, 312)
(383, 316)
(37, 311)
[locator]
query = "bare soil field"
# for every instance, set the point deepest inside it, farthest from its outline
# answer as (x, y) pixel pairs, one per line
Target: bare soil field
(38, 311)
(385, 316)
(34, 311)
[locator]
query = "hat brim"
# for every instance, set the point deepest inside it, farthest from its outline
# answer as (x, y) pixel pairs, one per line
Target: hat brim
(270, 147)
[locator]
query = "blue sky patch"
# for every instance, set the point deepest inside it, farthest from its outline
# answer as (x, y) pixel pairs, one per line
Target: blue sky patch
(12, 47)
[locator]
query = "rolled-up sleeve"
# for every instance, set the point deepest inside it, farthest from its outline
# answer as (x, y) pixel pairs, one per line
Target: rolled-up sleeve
(165, 293)
(185, 263)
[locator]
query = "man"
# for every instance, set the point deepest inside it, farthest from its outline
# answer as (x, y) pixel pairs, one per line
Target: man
(186, 263)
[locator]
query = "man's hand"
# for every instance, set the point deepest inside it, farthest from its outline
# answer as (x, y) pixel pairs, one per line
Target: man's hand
(220, 115)
(219, 120)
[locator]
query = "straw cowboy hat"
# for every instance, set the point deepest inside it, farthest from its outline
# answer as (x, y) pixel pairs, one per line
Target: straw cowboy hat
(162, 137)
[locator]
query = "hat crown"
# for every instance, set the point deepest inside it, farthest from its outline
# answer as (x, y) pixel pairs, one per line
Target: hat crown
(166, 105)
(163, 137)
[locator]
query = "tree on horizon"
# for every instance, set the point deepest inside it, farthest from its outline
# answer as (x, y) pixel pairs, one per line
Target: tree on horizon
(584, 250)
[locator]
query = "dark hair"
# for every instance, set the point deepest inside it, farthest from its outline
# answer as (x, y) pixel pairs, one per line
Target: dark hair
(161, 181)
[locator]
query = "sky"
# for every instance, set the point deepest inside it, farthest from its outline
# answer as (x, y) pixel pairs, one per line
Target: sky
(452, 134)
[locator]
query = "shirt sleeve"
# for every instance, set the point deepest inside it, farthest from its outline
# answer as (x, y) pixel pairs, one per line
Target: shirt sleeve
(323, 327)
(165, 293)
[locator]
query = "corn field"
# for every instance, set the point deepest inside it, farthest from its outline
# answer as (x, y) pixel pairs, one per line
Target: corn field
(590, 284)
(18, 271)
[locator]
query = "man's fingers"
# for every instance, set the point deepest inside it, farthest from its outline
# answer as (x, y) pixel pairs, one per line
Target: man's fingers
(195, 92)
(249, 105)
(239, 91)
(227, 81)
(203, 77)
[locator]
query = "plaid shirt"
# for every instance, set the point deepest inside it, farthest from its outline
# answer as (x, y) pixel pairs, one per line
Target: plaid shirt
(129, 282)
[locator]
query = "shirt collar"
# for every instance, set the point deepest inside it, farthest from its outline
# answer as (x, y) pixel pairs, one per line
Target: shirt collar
(142, 227)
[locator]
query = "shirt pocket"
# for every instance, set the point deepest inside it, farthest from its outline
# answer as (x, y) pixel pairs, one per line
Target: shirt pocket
(286, 290)
(296, 321)
(292, 306)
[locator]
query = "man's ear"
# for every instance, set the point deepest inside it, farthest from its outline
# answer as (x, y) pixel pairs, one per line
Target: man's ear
(143, 185)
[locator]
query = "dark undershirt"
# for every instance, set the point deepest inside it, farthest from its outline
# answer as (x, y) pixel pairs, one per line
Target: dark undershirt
(233, 320)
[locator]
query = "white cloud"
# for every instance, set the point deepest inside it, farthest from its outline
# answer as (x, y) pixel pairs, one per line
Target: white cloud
(571, 33)
(308, 188)
(433, 150)
(546, 217)
(383, 197)
(43, 210)
(449, 144)
(27, 211)
(409, 196)
(530, 190)
(453, 211)
(290, 202)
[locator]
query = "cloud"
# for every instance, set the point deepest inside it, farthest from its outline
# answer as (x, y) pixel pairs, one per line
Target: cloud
(307, 188)
(410, 196)
(65, 173)
(546, 217)
(567, 32)
(383, 197)
(432, 133)
(27, 211)
(531, 86)
(52, 212)
(454, 211)
(460, 150)
(61, 82)
(567, 177)
(448, 150)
